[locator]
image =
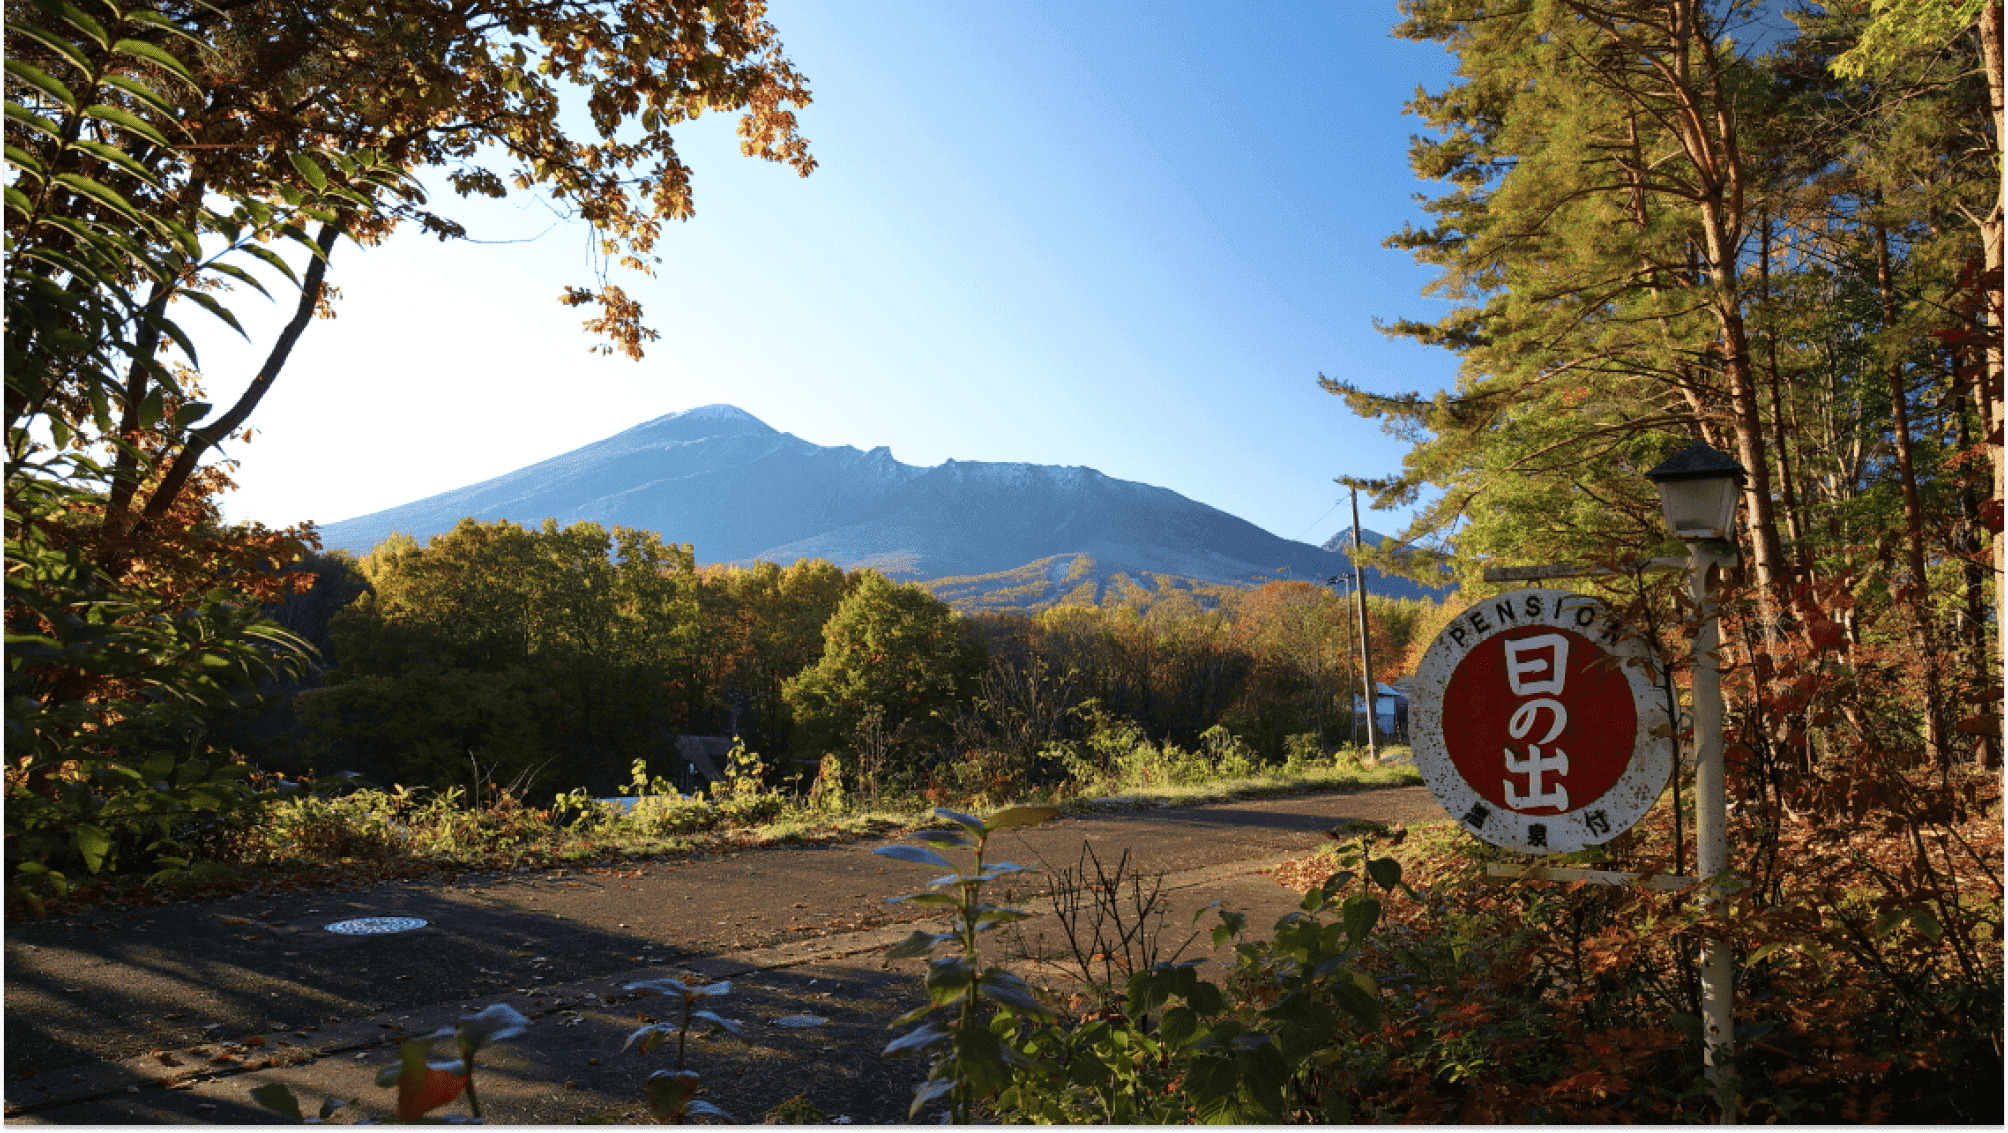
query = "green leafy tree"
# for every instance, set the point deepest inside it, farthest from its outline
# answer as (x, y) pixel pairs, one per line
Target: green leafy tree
(554, 656)
(894, 654)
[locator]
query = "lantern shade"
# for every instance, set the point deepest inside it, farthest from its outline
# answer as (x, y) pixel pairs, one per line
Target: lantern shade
(1697, 491)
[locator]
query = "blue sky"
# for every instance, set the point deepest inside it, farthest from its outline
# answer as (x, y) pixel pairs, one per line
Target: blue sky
(1124, 235)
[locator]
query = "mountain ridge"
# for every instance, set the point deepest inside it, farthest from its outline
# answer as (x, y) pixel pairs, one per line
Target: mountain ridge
(739, 490)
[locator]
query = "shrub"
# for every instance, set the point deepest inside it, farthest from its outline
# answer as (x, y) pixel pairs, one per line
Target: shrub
(743, 798)
(1301, 752)
(1231, 758)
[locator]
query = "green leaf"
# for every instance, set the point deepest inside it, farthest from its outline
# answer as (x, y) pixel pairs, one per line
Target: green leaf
(491, 1024)
(701, 1108)
(928, 1092)
(651, 1036)
(1231, 924)
(720, 1022)
(56, 43)
(1177, 1024)
(280, 1100)
(43, 81)
(315, 175)
(112, 155)
(1764, 951)
(94, 844)
(210, 304)
(1207, 999)
(18, 113)
(143, 93)
(162, 23)
(273, 259)
(670, 1093)
(241, 276)
(150, 409)
(128, 121)
(913, 1016)
(1364, 982)
(1386, 872)
(1017, 816)
(1363, 1009)
(662, 986)
(82, 21)
(147, 51)
(1361, 914)
(918, 855)
(918, 944)
(190, 413)
(927, 899)
(191, 245)
(919, 1039)
(942, 837)
(1148, 991)
(948, 979)
(1924, 922)
(1007, 988)
(101, 193)
(968, 822)
(27, 162)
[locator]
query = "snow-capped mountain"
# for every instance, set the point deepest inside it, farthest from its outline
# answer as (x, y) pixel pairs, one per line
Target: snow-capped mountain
(738, 490)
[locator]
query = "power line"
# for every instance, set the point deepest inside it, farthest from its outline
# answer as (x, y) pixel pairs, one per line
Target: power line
(1320, 519)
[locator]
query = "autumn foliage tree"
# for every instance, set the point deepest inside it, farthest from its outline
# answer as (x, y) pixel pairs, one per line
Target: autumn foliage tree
(1776, 231)
(161, 154)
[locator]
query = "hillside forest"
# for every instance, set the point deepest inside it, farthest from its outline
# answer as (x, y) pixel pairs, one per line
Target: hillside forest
(554, 659)
(1774, 228)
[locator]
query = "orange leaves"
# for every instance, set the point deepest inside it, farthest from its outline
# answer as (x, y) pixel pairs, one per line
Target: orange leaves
(1827, 634)
(420, 1094)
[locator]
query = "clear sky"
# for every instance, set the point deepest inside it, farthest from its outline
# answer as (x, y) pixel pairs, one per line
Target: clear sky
(1123, 235)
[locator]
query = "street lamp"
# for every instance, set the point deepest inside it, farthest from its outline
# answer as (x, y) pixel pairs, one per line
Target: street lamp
(1698, 487)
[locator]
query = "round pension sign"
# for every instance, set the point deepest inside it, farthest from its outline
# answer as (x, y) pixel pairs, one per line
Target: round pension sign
(1537, 725)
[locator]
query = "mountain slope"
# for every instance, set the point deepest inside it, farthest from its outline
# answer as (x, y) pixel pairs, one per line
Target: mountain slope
(739, 490)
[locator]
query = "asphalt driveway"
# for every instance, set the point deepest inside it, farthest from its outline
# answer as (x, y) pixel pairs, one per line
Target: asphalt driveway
(134, 1016)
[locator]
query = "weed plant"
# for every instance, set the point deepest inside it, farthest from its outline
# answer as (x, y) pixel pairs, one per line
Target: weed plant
(1274, 1046)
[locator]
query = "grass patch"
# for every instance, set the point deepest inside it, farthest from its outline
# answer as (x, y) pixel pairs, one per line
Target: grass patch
(403, 833)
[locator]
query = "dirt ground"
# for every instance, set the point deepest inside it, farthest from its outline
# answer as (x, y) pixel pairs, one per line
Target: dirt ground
(175, 1014)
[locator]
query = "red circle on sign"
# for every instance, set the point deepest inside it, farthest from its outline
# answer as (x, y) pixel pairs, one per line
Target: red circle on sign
(1507, 685)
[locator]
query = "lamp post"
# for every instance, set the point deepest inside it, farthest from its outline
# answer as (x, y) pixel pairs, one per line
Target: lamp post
(1698, 487)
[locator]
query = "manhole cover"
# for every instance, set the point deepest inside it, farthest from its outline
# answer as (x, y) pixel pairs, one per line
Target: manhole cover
(371, 926)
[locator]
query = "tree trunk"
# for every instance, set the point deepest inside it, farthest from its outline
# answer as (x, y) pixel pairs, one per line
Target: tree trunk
(1991, 403)
(1918, 594)
(204, 437)
(1785, 486)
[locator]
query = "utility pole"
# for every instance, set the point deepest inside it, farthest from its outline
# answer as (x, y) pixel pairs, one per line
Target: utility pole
(1366, 651)
(1352, 718)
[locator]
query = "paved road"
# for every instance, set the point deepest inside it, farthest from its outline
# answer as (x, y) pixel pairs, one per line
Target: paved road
(93, 1002)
